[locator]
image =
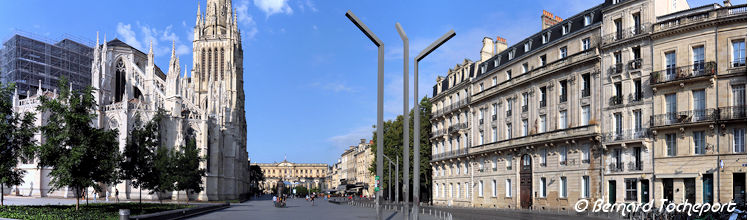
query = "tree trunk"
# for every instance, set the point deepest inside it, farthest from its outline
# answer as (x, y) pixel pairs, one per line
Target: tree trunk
(187, 193)
(2, 195)
(77, 198)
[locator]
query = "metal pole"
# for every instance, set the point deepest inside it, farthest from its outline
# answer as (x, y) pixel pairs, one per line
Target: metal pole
(380, 90)
(397, 181)
(406, 150)
(390, 184)
(417, 116)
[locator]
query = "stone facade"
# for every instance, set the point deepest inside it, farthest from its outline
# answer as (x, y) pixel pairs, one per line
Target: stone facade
(208, 106)
(574, 112)
(310, 175)
(351, 173)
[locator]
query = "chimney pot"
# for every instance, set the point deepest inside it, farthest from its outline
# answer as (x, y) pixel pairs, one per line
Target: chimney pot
(727, 3)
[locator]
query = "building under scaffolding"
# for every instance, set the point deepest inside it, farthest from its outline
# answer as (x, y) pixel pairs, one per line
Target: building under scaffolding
(27, 61)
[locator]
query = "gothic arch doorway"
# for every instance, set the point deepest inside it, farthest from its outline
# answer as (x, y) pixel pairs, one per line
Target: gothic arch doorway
(526, 181)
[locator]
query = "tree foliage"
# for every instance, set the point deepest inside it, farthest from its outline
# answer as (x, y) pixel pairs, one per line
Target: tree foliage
(16, 139)
(393, 142)
(188, 174)
(256, 177)
(79, 154)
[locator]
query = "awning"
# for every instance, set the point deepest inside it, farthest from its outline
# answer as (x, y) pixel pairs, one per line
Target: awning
(676, 175)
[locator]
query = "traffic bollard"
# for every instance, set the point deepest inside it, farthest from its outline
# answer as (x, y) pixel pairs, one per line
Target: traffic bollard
(124, 214)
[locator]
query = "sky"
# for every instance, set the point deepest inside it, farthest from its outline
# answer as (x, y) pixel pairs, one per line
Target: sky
(310, 76)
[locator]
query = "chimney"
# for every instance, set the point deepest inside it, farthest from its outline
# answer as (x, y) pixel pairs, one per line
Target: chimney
(362, 141)
(500, 45)
(727, 3)
(371, 142)
(487, 51)
(548, 19)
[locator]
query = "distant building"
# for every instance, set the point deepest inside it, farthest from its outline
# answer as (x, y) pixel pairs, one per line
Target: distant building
(310, 175)
(30, 63)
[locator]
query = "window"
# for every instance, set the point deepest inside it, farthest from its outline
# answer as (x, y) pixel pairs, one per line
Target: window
(542, 90)
(563, 119)
(586, 43)
(566, 28)
(699, 142)
(511, 54)
(508, 74)
(586, 84)
(465, 167)
(638, 158)
(508, 188)
(481, 87)
(563, 91)
(671, 103)
(671, 144)
(739, 135)
(618, 57)
(494, 188)
(542, 187)
(509, 106)
(543, 157)
(451, 190)
(508, 162)
(542, 124)
(494, 134)
(618, 123)
(638, 90)
(638, 120)
(545, 37)
(457, 190)
(483, 68)
(542, 60)
(525, 102)
(636, 22)
(525, 67)
(562, 52)
(527, 46)
(618, 28)
(739, 95)
(509, 130)
(585, 115)
(585, 187)
(563, 187)
(699, 105)
(739, 53)
(588, 20)
(494, 111)
(496, 62)
(481, 188)
(586, 154)
(494, 81)
(563, 155)
(481, 137)
(670, 65)
(466, 184)
(525, 127)
(698, 59)
(631, 189)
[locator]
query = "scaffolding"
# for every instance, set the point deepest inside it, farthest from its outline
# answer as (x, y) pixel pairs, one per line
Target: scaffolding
(28, 61)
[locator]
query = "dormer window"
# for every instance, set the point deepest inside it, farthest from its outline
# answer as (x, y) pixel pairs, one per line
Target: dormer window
(511, 54)
(566, 28)
(527, 46)
(588, 19)
(496, 62)
(483, 68)
(545, 37)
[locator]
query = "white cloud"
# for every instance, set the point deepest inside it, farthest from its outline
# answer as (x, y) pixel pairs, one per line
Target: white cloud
(128, 35)
(341, 142)
(311, 5)
(271, 7)
(332, 86)
(314, 27)
(245, 19)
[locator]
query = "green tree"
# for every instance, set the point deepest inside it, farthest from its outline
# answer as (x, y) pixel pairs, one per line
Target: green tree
(161, 177)
(138, 155)
(16, 139)
(80, 155)
(393, 142)
(189, 175)
(256, 177)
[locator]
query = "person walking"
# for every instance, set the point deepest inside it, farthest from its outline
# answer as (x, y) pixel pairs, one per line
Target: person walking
(117, 195)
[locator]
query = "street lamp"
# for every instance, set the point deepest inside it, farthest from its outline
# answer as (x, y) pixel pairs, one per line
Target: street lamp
(380, 79)
(390, 179)
(405, 115)
(417, 116)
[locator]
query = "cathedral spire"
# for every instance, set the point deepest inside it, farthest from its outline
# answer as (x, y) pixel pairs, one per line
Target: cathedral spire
(97, 39)
(150, 50)
(172, 48)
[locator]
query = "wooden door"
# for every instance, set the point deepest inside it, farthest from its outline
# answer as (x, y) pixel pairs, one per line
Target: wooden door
(526, 182)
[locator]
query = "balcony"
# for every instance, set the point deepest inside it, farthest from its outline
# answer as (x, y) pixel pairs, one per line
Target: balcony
(627, 135)
(543, 164)
(509, 113)
(525, 108)
(450, 154)
(542, 103)
(494, 169)
(684, 117)
(616, 69)
(563, 98)
(732, 112)
(481, 121)
(563, 162)
(626, 33)
(586, 91)
(616, 167)
(738, 63)
(635, 64)
(586, 160)
(717, 13)
(509, 167)
(494, 117)
(683, 73)
(456, 127)
(438, 132)
(635, 166)
(616, 100)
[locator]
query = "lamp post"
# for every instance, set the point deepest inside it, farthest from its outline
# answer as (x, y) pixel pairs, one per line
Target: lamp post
(380, 90)
(390, 180)
(405, 115)
(417, 116)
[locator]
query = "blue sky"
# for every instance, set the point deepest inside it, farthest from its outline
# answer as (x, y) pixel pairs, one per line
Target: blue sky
(310, 74)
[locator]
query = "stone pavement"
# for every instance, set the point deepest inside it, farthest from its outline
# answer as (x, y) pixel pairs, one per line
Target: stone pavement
(298, 209)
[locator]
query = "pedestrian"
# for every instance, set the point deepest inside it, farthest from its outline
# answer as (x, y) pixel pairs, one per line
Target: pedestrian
(107, 196)
(96, 195)
(117, 194)
(313, 199)
(275, 199)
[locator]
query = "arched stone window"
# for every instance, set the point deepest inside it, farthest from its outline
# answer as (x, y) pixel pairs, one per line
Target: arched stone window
(119, 87)
(208, 71)
(222, 64)
(202, 64)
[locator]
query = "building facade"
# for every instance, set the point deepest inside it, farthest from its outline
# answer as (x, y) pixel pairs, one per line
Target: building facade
(26, 61)
(309, 175)
(207, 107)
(594, 107)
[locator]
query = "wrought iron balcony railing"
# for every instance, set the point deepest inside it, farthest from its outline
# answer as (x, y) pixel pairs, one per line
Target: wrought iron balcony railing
(684, 117)
(683, 72)
(732, 112)
(616, 68)
(635, 64)
(525, 108)
(449, 154)
(542, 103)
(616, 100)
(626, 33)
(509, 113)
(616, 167)
(632, 134)
(563, 98)
(634, 166)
